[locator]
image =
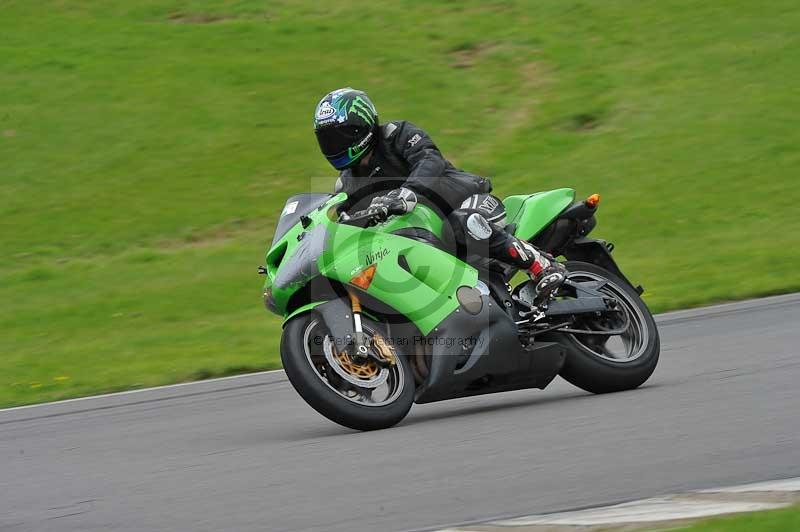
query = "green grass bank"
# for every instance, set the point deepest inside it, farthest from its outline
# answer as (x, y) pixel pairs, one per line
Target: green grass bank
(782, 520)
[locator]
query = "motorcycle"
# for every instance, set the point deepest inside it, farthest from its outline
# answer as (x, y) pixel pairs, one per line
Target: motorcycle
(381, 312)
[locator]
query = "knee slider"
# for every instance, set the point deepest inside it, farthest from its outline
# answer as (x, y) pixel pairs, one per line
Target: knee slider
(477, 227)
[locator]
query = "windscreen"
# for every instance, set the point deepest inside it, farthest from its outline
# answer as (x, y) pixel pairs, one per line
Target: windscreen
(294, 208)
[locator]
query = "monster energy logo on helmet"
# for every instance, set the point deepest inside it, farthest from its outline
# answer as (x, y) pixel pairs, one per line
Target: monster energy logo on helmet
(364, 108)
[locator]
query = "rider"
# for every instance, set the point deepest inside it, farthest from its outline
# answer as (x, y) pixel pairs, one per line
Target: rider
(392, 164)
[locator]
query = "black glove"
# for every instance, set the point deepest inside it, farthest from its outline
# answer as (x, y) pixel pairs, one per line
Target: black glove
(398, 201)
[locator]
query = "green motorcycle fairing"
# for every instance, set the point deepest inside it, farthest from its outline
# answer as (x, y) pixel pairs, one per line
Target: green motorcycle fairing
(422, 289)
(531, 213)
(416, 279)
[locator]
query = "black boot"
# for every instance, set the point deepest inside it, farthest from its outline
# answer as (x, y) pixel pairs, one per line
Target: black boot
(543, 269)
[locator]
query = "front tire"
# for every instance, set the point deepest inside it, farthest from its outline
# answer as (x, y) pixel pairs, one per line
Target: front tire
(324, 388)
(590, 363)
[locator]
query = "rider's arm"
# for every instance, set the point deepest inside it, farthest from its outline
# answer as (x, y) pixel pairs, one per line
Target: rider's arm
(423, 158)
(427, 168)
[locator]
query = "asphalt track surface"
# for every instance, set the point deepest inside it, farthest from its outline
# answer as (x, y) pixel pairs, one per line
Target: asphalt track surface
(247, 454)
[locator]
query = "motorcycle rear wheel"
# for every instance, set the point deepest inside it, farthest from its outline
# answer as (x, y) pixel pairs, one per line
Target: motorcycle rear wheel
(603, 364)
(334, 392)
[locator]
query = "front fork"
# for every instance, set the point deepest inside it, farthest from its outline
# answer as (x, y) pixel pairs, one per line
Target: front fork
(360, 341)
(383, 353)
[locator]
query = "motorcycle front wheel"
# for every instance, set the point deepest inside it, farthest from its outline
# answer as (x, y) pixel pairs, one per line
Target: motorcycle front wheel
(362, 395)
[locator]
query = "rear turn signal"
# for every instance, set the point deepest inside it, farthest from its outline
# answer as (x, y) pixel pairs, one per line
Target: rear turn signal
(592, 201)
(364, 279)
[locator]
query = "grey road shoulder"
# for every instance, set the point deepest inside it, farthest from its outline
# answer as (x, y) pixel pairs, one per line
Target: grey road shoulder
(143, 396)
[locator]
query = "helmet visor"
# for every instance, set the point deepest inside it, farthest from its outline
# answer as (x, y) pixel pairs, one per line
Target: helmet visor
(335, 140)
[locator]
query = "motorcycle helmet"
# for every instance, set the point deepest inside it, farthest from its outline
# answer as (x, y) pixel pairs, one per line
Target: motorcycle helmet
(346, 125)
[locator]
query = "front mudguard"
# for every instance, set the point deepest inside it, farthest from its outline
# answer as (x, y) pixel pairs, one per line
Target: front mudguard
(597, 252)
(302, 310)
(337, 315)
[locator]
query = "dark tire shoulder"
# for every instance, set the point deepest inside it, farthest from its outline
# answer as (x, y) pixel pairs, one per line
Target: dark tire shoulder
(598, 375)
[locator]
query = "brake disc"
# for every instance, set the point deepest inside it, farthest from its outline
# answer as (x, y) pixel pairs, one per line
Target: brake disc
(362, 378)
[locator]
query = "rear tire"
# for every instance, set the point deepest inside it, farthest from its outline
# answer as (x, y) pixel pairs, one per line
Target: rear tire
(297, 352)
(593, 370)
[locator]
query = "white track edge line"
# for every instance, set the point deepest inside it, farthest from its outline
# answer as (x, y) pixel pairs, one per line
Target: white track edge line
(659, 509)
(140, 390)
(641, 511)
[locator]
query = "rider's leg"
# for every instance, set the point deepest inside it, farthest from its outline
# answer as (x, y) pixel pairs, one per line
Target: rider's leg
(479, 227)
(543, 269)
